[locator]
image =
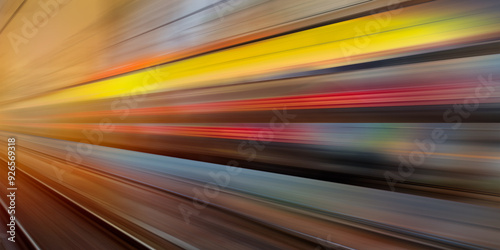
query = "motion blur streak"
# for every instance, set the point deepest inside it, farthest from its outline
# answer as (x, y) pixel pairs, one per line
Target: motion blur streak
(251, 124)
